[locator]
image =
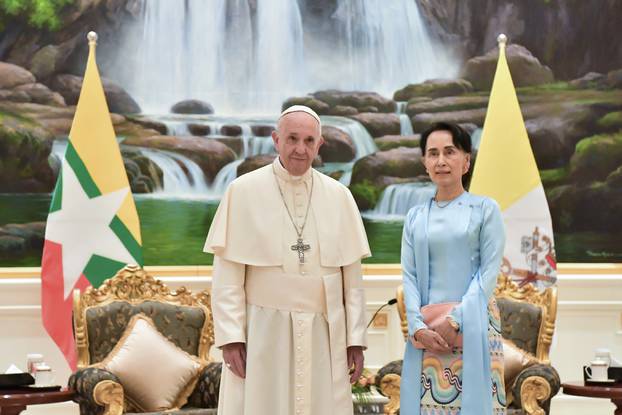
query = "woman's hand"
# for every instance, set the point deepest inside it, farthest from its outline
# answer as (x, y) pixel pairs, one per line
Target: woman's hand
(447, 332)
(432, 341)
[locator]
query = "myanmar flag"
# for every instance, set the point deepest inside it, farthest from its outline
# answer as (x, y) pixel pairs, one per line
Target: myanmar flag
(506, 171)
(92, 229)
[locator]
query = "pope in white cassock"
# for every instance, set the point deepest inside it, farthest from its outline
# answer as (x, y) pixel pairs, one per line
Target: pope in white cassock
(287, 295)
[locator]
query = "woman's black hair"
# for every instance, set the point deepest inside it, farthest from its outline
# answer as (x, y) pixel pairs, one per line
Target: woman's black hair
(459, 136)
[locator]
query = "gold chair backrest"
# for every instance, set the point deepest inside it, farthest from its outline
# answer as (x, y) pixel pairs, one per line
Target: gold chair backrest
(134, 285)
(546, 300)
(506, 288)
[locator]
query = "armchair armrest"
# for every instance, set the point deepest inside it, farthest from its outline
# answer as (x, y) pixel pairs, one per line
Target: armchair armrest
(98, 392)
(205, 394)
(534, 387)
(388, 381)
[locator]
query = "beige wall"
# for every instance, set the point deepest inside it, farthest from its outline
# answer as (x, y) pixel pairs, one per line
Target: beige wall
(589, 316)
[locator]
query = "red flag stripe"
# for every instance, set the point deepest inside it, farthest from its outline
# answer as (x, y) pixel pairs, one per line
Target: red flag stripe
(57, 309)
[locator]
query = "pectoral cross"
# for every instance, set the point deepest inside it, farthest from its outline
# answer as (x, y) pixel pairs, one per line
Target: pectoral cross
(301, 247)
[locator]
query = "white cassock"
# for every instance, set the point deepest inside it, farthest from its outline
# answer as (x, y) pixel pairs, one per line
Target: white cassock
(296, 320)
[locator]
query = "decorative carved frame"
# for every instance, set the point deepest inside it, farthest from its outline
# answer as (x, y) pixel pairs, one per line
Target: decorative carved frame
(534, 390)
(134, 285)
(401, 310)
(110, 395)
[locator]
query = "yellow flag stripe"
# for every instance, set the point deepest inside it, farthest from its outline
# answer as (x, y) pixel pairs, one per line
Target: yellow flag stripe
(93, 138)
(505, 168)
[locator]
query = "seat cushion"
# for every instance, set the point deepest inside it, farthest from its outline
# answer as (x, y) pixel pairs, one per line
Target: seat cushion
(156, 375)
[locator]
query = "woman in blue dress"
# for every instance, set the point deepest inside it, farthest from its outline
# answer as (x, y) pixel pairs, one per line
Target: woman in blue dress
(452, 248)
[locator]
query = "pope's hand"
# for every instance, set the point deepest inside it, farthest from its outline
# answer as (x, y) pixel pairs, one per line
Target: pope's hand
(234, 355)
(355, 362)
(432, 341)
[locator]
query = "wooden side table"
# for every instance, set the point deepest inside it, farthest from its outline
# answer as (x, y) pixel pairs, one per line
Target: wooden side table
(14, 401)
(612, 391)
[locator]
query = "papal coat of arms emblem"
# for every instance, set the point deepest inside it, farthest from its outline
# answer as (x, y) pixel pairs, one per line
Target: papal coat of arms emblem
(539, 258)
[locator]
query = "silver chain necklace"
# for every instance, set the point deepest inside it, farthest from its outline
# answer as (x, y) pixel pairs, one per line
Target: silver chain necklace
(300, 247)
(447, 203)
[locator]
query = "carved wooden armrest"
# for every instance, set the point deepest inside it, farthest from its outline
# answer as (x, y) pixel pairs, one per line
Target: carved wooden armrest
(97, 391)
(109, 394)
(390, 387)
(534, 387)
(388, 379)
(205, 394)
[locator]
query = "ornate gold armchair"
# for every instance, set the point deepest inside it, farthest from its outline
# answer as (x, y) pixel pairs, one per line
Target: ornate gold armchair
(528, 321)
(101, 315)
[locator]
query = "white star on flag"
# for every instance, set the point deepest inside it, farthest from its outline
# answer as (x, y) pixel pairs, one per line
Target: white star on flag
(82, 227)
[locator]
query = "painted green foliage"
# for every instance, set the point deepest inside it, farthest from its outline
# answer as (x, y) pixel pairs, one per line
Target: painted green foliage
(41, 14)
(611, 121)
(366, 193)
(596, 157)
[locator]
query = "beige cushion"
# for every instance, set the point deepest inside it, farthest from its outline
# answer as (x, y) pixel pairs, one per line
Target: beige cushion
(155, 374)
(514, 361)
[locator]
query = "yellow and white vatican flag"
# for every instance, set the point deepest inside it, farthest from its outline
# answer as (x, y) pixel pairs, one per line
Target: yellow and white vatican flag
(506, 171)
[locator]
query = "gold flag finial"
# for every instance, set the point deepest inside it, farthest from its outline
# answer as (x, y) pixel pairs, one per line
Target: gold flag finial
(502, 40)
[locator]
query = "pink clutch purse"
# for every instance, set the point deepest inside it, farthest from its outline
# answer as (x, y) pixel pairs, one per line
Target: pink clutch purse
(433, 316)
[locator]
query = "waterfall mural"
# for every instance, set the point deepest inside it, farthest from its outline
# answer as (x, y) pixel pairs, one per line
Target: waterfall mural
(181, 176)
(397, 199)
(245, 60)
(406, 127)
(196, 86)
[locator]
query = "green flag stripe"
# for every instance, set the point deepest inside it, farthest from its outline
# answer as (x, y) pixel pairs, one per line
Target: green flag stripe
(57, 195)
(100, 268)
(126, 237)
(82, 173)
(91, 189)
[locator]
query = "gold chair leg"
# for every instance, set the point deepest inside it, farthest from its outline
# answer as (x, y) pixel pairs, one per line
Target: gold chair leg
(390, 386)
(109, 394)
(534, 390)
